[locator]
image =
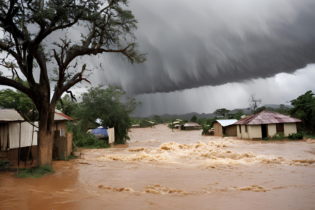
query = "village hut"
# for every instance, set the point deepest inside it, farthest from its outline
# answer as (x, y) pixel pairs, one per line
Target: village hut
(191, 126)
(265, 124)
(18, 138)
(225, 127)
(16, 133)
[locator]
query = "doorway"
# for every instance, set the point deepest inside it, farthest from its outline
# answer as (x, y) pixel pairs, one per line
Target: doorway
(264, 131)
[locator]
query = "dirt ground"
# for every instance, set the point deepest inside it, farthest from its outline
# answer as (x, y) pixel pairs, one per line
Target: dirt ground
(164, 169)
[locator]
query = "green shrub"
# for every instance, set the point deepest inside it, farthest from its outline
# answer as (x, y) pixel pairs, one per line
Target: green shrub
(4, 164)
(35, 172)
(295, 136)
(278, 136)
(205, 128)
(86, 140)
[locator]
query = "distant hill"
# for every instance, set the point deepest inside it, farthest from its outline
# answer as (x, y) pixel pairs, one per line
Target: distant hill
(188, 116)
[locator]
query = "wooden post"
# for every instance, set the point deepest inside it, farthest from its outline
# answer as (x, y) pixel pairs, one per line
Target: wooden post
(30, 148)
(19, 150)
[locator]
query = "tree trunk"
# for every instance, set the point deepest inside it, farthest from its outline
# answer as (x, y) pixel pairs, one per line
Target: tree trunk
(45, 136)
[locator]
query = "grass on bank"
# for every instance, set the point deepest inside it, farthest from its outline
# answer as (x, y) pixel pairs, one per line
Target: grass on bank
(310, 136)
(35, 172)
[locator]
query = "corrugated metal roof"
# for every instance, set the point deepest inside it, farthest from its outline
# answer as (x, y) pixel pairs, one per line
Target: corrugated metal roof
(267, 117)
(190, 124)
(61, 116)
(10, 115)
(228, 122)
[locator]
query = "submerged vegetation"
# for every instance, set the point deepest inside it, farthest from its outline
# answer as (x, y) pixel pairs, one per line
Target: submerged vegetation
(35, 172)
(85, 140)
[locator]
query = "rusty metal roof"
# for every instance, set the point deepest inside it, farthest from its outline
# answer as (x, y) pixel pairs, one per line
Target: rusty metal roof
(59, 116)
(267, 117)
(10, 115)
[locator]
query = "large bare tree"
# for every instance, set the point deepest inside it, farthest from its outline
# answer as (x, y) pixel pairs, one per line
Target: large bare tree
(26, 25)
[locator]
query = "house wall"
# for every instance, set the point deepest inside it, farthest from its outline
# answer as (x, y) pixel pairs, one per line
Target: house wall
(272, 130)
(231, 130)
(12, 154)
(60, 125)
(290, 128)
(217, 128)
(254, 132)
(62, 147)
(193, 128)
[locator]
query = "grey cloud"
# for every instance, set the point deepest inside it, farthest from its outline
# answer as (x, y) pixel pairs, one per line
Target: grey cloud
(201, 43)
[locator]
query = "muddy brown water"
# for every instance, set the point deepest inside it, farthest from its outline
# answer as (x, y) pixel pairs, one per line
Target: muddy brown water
(161, 169)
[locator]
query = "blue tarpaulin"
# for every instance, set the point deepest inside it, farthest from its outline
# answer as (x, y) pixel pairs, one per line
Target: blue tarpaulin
(100, 132)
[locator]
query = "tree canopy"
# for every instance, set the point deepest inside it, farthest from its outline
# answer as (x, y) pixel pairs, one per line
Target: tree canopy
(107, 106)
(194, 118)
(222, 112)
(304, 109)
(37, 38)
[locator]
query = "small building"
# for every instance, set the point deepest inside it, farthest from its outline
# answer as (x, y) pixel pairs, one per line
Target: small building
(265, 124)
(19, 139)
(224, 127)
(60, 122)
(191, 126)
(16, 136)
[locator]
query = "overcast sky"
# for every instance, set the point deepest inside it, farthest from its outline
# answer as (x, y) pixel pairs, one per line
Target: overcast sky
(204, 55)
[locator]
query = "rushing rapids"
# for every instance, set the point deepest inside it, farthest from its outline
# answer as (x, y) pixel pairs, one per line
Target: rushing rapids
(164, 169)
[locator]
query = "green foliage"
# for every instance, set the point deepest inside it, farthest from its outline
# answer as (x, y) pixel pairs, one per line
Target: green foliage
(205, 128)
(278, 136)
(86, 140)
(304, 109)
(107, 105)
(4, 164)
(260, 109)
(35, 172)
(145, 123)
(238, 115)
(295, 136)
(16, 100)
(222, 112)
(310, 136)
(266, 139)
(67, 106)
(194, 118)
(157, 119)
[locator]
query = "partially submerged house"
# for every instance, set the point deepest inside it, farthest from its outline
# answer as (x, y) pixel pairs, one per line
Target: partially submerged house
(191, 126)
(265, 124)
(19, 139)
(16, 133)
(225, 127)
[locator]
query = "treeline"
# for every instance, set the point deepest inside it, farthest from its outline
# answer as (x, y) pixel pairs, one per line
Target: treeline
(99, 106)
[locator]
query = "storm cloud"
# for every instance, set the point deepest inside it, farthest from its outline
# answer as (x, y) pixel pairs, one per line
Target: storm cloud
(208, 43)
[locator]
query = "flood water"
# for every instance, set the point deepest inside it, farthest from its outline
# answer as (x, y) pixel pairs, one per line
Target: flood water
(161, 169)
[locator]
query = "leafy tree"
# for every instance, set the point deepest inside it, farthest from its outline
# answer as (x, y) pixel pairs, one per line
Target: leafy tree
(222, 112)
(194, 118)
(106, 105)
(67, 106)
(157, 119)
(253, 103)
(304, 109)
(238, 115)
(27, 24)
(260, 109)
(283, 109)
(16, 100)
